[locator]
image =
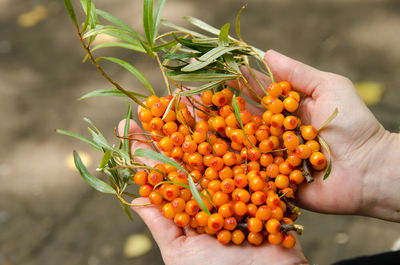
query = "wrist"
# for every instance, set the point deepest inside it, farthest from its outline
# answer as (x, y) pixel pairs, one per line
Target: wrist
(381, 187)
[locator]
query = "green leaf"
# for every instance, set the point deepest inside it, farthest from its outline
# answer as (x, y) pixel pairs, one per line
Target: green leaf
(127, 210)
(208, 58)
(91, 124)
(146, 153)
(179, 28)
(106, 157)
(80, 137)
(110, 30)
(71, 13)
(148, 49)
(223, 35)
(157, 16)
(171, 103)
(201, 24)
(100, 140)
(90, 179)
(87, 11)
(177, 56)
(231, 62)
(131, 46)
(126, 129)
(238, 33)
(165, 46)
(110, 92)
(201, 77)
(131, 69)
(148, 21)
(327, 149)
(196, 195)
(200, 89)
(116, 21)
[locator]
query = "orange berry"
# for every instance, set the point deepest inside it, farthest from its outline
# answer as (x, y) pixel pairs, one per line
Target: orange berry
(226, 210)
(289, 241)
(275, 141)
(195, 159)
(273, 200)
(171, 192)
(183, 130)
(250, 128)
(263, 213)
(158, 109)
(277, 120)
(156, 124)
(150, 101)
(273, 226)
(242, 195)
(294, 95)
(185, 194)
(291, 142)
(178, 204)
(224, 236)
(231, 121)
(215, 222)
(229, 158)
(258, 197)
(227, 185)
(266, 145)
(192, 208)
(261, 134)
(168, 211)
(166, 144)
(256, 183)
(251, 209)
(219, 99)
(237, 136)
(240, 208)
(217, 163)
(290, 104)
(272, 170)
(177, 152)
(227, 93)
(281, 181)
(237, 237)
(204, 148)
(145, 190)
(294, 160)
(219, 124)
(285, 168)
(181, 219)
(286, 87)
(255, 238)
(274, 90)
(202, 218)
(225, 173)
(140, 178)
(145, 115)
(189, 146)
(253, 165)
(266, 159)
(220, 148)
(267, 115)
(277, 213)
(211, 173)
(168, 128)
(275, 106)
(275, 239)
(230, 223)
(313, 145)
(303, 151)
(206, 97)
(308, 132)
(245, 116)
(241, 102)
(254, 225)
(171, 116)
(296, 177)
(290, 122)
(220, 198)
(154, 177)
(240, 180)
(288, 192)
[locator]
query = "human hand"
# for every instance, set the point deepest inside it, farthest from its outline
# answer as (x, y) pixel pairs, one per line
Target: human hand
(363, 179)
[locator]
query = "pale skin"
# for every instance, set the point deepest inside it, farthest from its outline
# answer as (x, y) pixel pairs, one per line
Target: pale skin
(364, 178)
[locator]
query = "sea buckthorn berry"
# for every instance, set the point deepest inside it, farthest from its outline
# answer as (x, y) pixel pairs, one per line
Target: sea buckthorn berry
(285, 168)
(166, 144)
(169, 168)
(245, 116)
(211, 173)
(145, 115)
(230, 223)
(308, 132)
(290, 104)
(206, 97)
(161, 167)
(224, 236)
(204, 148)
(237, 237)
(171, 116)
(272, 170)
(214, 185)
(227, 185)
(171, 192)
(146, 126)
(220, 148)
(192, 208)
(237, 170)
(250, 128)
(219, 99)
(219, 124)
(291, 142)
(168, 128)
(273, 226)
(224, 111)
(240, 208)
(274, 90)
(202, 218)
(288, 192)
(276, 131)
(242, 195)
(277, 120)
(229, 158)
(257, 183)
(286, 87)
(220, 198)
(265, 100)
(140, 178)
(225, 173)
(158, 109)
(296, 177)
(150, 101)
(181, 219)
(287, 220)
(255, 238)
(317, 159)
(278, 159)
(156, 124)
(202, 126)
(227, 93)
(178, 204)
(271, 186)
(155, 198)
(294, 95)
(240, 180)
(275, 106)
(258, 197)
(215, 222)
(275, 239)
(189, 147)
(277, 212)
(154, 177)
(253, 154)
(267, 115)
(281, 181)
(177, 138)
(241, 102)
(145, 190)
(228, 131)
(168, 211)
(253, 174)
(251, 209)
(289, 241)
(195, 159)
(209, 231)
(313, 145)
(226, 210)
(217, 163)
(231, 121)
(257, 120)
(266, 145)
(185, 194)
(294, 160)
(263, 213)
(303, 151)
(177, 152)
(254, 225)
(207, 159)
(266, 159)
(273, 200)
(253, 165)
(183, 130)
(251, 143)
(199, 137)
(290, 122)
(261, 134)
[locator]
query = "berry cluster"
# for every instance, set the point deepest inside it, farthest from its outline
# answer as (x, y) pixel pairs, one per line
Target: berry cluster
(247, 169)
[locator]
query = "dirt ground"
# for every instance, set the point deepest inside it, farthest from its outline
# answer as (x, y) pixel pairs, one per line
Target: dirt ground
(48, 215)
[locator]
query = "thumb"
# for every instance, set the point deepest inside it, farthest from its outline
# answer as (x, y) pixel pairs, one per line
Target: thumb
(164, 230)
(303, 78)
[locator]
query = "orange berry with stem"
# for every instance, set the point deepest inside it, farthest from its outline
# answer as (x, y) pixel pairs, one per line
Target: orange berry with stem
(206, 97)
(263, 213)
(171, 116)
(140, 178)
(215, 222)
(255, 238)
(183, 130)
(154, 177)
(289, 241)
(266, 145)
(230, 223)
(274, 90)
(250, 128)
(251, 143)
(177, 152)
(237, 136)
(231, 121)
(303, 151)
(275, 239)
(273, 226)
(245, 116)
(308, 132)
(237, 237)
(158, 109)
(290, 104)
(288, 192)
(273, 200)
(185, 194)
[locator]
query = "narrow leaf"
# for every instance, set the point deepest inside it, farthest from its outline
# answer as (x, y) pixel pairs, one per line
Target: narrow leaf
(146, 153)
(148, 21)
(100, 140)
(71, 13)
(106, 30)
(110, 92)
(80, 137)
(116, 21)
(223, 35)
(196, 195)
(208, 58)
(127, 210)
(231, 62)
(201, 77)
(238, 33)
(131, 46)
(148, 49)
(104, 160)
(179, 28)
(171, 103)
(87, 11)
(201, 24)
(90, 179)
(126, 130)
(157, 16)
(200, 89)
(327, 149)
(131, 69)
(333, 115)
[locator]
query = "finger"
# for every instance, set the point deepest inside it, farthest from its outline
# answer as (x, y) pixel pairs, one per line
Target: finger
(164, 230)
(136, 132)
(303, 78)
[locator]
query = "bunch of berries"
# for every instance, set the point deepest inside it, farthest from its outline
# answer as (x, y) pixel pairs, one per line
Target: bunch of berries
(246, 169)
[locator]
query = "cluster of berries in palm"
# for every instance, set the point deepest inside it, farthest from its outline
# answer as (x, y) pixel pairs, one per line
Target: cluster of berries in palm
(246, 167)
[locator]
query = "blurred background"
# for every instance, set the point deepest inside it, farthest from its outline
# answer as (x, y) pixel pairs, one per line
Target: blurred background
(49, 215)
